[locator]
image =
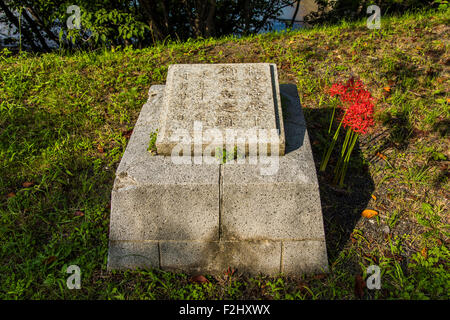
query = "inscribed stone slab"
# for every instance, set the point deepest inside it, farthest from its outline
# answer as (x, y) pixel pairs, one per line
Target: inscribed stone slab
(220, 96)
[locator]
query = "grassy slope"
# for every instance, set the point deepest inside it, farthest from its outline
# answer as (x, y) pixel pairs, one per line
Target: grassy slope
(65, 121)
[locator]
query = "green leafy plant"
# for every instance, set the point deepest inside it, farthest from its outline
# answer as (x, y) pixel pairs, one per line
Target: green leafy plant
(152, 144)
(224, 156)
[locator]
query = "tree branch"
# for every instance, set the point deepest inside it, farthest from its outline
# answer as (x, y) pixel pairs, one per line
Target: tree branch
(35, 30)
(295, 13)
(12, 18)
(37, 17)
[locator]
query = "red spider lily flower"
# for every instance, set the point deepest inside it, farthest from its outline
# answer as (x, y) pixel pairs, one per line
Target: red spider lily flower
(356, 104)
(337, 89)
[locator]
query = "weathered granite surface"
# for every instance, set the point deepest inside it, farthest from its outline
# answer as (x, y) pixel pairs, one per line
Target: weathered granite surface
(220, 96)
(206, 218)
(282, 205)
(155, 199)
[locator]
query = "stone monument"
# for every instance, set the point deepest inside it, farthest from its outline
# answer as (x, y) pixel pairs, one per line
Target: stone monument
(205, 216)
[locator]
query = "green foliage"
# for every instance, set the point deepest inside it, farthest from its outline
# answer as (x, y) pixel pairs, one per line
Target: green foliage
(139, 23)
(428, 277)
(225, 156)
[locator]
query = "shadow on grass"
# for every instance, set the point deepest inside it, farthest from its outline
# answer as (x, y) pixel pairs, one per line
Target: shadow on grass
(442, 127)
(400, 131)
(341, 207)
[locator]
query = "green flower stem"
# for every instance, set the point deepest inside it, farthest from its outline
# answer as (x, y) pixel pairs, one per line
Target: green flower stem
(332, 118)
(347, 159)
(339, 167)
(325, 159)
(335, 104)
(348, 136)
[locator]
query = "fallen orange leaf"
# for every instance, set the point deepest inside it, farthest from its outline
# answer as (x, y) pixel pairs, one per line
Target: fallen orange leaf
(373, 197)
(424, 252)
(199, 279)
(27, 184)
(368, 213)
(11, 194)
(387, 89)
(380, 155)
(320, 276)
(49, 260)
(79, 213)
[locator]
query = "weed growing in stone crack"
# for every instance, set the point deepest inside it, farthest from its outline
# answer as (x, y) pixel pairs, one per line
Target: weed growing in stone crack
(152, 144)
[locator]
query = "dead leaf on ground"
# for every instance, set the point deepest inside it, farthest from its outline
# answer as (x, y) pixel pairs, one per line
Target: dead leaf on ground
(368, 213)
(359, 286)
(49, 260)
(374, 197)
(127, 134)
(79, 213)
(11, 195)
(199, 279)
(100, 149)
(302, 286)
(27, 184)
(320, 276)
(424, 252)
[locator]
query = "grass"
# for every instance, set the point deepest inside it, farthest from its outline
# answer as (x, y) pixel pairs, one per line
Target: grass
(65, 121)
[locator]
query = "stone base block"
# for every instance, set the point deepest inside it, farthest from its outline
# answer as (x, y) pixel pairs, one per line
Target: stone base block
(214, 257)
